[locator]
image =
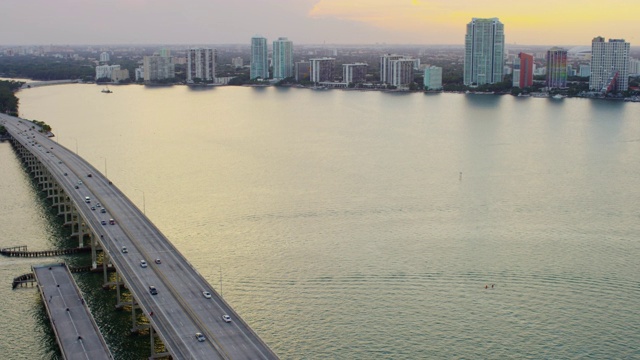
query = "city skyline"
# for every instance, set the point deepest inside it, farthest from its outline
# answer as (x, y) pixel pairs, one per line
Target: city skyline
(431, 22)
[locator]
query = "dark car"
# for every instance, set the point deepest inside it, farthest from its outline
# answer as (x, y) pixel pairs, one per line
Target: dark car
(104, 222)
(89, 175)
(153, 290)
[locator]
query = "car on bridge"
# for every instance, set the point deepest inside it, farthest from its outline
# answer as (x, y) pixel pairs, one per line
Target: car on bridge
(103, 210)
(153, 290)
(143, 263)
(206, 294)
(112, 222)
(200, 337)
(226, 318)
(157, 261)
(103, 222)
(124, 250)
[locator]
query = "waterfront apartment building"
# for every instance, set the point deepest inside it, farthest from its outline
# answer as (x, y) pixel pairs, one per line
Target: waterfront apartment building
(321, 69)
(259, 60)
(585, 70)
(112, 72)
(157, 68)
(609, 65)
(302, 70)
(515, 71)
(432, 78)
(556, 68)
(526, 70)
(201, 65)
(385, 66)
(634, 67)
(105, 71)
(282, 58)
(354, 73)
(401, 72)
(484, 52)
(104, 57)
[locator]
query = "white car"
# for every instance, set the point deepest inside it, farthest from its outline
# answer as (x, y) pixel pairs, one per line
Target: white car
(200, 337)
(206, 294)
(124, 250)
(226, 318)
(143, 263)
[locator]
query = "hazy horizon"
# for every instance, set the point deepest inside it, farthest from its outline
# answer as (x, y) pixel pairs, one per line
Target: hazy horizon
(312, 22)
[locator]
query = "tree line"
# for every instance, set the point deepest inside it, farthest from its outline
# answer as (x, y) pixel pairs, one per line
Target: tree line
(8, 98)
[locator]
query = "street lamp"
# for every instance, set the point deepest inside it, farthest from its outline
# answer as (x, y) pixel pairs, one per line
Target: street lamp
(76, 144)
(143, 202)
(105, 166)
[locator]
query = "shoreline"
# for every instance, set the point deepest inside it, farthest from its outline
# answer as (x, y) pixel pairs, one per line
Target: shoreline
(33, 84)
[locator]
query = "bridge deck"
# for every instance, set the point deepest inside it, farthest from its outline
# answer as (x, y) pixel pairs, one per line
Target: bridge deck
(178, 309)
(72, 322)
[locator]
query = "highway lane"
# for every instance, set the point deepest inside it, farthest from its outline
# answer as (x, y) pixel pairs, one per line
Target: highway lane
(179, 309)
(174, 325)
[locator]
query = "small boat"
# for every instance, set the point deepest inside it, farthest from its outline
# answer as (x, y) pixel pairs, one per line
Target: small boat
(106, 90)
(558, 96)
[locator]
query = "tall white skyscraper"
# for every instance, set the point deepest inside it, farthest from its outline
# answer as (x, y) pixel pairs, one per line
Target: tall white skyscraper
(484, 52)
(259, 60)
(201, 64)
(282, 58)
(609, 65)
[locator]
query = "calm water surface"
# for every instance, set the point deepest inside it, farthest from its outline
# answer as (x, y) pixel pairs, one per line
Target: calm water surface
(363, 225)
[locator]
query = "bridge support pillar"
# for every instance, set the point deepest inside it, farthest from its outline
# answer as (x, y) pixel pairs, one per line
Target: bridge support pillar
(93, 252)
(105, 264)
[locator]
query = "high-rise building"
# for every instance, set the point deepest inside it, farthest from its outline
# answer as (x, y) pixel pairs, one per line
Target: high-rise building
(634, 66)
(609, 65)
(526, 70)
(484, 52)
(516, 75)
(585, 70)
(321, 69)
(282, 58)
(201, 65)
(107, 71)
(432, 78)
(385, 66)
(354, 73)
(259, 60)
(104, 57)
(556, 68)
(158, 68)
(303, 70)
(401, 72)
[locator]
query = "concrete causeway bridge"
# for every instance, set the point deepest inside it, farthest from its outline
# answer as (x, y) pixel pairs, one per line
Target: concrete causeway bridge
(178, 302)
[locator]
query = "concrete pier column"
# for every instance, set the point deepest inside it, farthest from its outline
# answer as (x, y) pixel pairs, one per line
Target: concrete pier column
(93, 251)
(151, 335)
(105, 263)
(118, 300)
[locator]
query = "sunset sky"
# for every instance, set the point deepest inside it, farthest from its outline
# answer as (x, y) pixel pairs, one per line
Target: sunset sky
(541, 22)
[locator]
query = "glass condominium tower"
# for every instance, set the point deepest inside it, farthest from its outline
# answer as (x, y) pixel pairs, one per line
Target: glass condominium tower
(484, 52)
(282, 58)
(259, 61)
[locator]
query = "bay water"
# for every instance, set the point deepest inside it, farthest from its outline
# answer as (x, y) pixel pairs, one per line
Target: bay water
(359, 225)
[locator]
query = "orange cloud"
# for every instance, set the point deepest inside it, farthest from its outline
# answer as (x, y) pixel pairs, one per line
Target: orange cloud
(542, 21)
